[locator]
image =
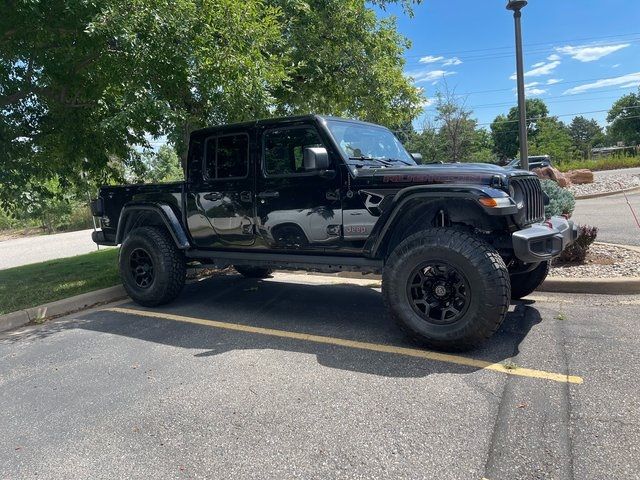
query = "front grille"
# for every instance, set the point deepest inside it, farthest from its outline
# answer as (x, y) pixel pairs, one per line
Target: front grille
(531, 192)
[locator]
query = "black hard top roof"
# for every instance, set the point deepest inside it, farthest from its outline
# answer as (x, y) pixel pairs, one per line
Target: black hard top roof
(271, 122)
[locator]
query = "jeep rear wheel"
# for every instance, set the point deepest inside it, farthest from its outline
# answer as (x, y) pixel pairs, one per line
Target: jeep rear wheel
(249, 271)
(446, 288)
(522, 284)
(152, 268)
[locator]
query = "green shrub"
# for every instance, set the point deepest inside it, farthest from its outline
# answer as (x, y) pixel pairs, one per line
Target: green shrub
(577, 251)
(608, 163)
(561, 200)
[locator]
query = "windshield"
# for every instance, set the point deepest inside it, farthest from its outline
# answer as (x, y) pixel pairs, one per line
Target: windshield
(358, 140)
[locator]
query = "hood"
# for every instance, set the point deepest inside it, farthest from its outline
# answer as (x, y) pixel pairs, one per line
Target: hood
(448, 173)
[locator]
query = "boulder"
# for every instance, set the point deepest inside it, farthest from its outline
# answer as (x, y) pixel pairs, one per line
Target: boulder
(580, 176)
(554, 174)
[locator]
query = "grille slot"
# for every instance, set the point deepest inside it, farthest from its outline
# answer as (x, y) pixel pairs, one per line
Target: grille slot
(533, 211)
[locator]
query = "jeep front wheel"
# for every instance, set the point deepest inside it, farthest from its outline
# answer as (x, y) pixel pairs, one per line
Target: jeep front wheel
(152, 268)
(446, 288)
(522, 284)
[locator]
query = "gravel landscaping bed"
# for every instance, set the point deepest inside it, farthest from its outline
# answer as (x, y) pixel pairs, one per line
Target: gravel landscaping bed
(603, 261)
(610, 183)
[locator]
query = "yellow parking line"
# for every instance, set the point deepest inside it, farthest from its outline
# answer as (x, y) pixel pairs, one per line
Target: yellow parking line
(375, 347)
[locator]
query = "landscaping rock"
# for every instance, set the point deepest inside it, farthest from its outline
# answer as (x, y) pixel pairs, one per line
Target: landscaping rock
(580, 176)
(606, 184)
(603, 261)
(552, 174)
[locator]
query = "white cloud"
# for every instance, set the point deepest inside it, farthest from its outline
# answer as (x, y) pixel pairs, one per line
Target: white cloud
(590, 53)
(554, 57)
(534, 91)
(615, 66)
(536, 65)
(630, 85)
(629, 80)
(452, 61)
(544, 69)
(553, 81)
(430, 59)
(427, 102)
(532, 84)
(429, 75)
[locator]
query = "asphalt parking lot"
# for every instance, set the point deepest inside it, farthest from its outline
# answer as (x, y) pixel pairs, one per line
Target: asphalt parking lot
(305, 377)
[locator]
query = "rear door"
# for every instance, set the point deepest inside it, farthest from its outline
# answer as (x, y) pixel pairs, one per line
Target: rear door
(224, 195)
(297, 208)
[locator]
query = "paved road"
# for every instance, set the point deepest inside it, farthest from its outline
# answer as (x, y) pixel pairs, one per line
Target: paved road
(226, 383)
(23, 251)
(612, 216)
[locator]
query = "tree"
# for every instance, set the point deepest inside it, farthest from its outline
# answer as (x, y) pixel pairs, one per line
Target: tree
(585, 134)
(84, 84)
(552, 138)
(505, 131)
(482, 147)
(624, 119)
(427, 142)
(456, 127)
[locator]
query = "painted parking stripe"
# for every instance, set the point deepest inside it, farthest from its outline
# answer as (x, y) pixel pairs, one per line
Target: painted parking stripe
(375, 347)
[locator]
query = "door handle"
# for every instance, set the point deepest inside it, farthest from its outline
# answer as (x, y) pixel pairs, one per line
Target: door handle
(269, 194)
(212, 196)
(245, 196)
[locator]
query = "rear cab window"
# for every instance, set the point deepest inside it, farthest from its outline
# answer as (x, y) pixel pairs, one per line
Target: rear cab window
(226, 157)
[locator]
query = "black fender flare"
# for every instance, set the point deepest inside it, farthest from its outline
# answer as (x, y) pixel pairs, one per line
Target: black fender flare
(131, 212)
(383, 229)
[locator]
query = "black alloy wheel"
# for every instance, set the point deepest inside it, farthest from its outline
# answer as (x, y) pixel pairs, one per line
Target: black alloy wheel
(438, 292)
(141, 267)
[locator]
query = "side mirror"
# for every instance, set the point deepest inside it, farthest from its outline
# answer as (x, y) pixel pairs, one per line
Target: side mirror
(417, 157)
(315, 158)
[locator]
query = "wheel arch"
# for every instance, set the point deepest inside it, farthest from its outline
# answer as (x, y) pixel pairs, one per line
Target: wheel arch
(425, 209)
(135, 215)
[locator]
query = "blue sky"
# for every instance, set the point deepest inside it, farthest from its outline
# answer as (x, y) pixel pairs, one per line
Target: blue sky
(580, 55)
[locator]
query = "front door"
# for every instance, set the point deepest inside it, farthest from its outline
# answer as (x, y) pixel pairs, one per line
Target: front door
(298, 207)
(225, 198)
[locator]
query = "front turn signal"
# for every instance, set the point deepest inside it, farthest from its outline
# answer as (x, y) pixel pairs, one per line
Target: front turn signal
(494, 202)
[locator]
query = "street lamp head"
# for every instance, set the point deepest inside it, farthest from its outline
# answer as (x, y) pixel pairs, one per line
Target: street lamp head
(516, 5)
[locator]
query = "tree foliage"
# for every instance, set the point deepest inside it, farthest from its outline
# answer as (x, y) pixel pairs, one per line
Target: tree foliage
(505, 132)
(83, 84)
(585, 134)
(624, 118)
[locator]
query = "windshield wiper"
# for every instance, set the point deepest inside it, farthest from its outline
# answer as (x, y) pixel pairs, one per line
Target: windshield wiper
(398, 160)
(371, 159)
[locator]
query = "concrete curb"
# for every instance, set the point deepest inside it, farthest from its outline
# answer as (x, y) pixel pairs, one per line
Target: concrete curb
(602, 286)
(61, 307)
(607, 194)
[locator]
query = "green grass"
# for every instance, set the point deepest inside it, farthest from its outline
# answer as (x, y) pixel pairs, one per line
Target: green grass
(33, 285)
(610, 163)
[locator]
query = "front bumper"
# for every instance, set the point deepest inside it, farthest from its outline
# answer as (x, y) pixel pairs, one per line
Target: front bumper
(544, 241)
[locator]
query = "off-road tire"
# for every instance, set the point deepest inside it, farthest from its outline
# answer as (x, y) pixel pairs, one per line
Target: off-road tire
(486, 275)
(248, 271)
(522, 284)
(168, 262)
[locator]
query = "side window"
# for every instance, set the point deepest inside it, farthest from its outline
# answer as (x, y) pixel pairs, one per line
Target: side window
(284, 149)
(227, 157)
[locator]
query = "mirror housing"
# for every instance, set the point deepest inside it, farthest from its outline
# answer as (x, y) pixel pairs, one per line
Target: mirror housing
(417, 157)
(315, 158)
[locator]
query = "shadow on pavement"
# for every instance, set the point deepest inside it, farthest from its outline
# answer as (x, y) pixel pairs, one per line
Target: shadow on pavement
(343, 311)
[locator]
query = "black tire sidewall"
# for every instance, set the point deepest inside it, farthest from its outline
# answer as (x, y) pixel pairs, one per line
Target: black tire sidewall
(166, 273)
(523, 284)
(486, 307)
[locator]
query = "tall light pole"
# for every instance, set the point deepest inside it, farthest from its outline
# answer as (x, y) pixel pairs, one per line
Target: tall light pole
(516, 6)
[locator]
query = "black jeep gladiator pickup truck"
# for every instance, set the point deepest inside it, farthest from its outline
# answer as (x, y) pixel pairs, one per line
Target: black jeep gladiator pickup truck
(454, 242)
